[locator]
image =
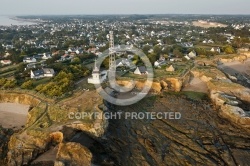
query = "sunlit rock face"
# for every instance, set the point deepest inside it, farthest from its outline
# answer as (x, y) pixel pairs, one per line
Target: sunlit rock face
(45, 124)
(82, 156)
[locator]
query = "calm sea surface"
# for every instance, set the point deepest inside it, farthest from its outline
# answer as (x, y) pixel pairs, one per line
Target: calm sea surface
(7, 21)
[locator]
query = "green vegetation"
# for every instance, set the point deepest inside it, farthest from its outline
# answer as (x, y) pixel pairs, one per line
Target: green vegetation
(190, 95)
(58, 86)
(27, 85)
(36, 113)
(7, 83)
(228, 49)
(41, 81)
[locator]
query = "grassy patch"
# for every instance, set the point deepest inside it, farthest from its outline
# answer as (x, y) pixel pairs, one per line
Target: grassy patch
(190, 95)
(8, 68)
(207, 45)
(38, 133)
(7, 74)
(58, 114)
(36, 113)
(134, 76)
(85, 85)
(41, 81)
(195, 95)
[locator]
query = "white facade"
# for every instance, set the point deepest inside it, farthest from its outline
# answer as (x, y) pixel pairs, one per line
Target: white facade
(41, 73)
(140, 70)
(6, 62)
(29, 60)
(96, 76)
(192, 54)
(46, 56)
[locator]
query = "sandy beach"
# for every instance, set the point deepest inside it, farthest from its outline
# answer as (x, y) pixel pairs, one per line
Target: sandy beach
(13, 115)
(236, 66)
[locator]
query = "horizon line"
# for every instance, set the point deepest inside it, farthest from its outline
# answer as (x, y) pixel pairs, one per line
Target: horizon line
(110, 14)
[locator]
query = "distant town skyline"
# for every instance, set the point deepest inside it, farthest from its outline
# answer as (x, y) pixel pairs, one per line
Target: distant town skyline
(59, 7)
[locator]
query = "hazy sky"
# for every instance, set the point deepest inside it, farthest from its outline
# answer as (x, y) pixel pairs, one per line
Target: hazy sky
(34, 7)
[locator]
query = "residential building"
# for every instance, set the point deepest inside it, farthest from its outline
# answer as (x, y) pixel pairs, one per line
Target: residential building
(46, 56)
(141, 70)
(41, 73)
(6, 62)
(170, 69)
(161, 61)
(29, 60)
(192, 54)
(217, 49)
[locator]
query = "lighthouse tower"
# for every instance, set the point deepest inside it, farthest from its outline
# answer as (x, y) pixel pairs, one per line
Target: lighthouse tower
(95, 79)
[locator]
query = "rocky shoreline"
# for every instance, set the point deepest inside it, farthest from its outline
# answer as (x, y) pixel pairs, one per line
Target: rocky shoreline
(5, 135)
(201, 137)
(213, 131)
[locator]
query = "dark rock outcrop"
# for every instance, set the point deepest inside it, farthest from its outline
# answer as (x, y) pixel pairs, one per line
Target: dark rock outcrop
(5, 135)
(200, 137)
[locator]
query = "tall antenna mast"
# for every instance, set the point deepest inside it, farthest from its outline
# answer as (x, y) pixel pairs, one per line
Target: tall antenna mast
(112, 63)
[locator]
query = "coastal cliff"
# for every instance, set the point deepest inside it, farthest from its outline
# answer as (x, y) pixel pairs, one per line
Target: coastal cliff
(221, 92)
(210, 131)
(45, 121)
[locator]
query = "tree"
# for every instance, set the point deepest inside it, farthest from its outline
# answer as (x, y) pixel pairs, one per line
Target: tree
(229, 49)
(39, 87)
(146, 48)
(157, 50)
(152, 57)
(76, 60)
(177, 53)
(239, 42)
(59, 85)
(169, 40)
(53, 59)
(105, 63)
(10, 84)
(2, 50)
(27, 85)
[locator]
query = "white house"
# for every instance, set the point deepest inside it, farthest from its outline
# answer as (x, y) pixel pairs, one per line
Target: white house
(71, 50)
(187, 57)
(215, 49)
(79, 51)
(48, 72)
(205, 41)
(192, 54)
(150, 50)
(6, 62)
(210, 41)
(141, 70)
(46, 56)
(41, 73)
(124, 62)
(170, 68)
(161, 61)
(29, 60)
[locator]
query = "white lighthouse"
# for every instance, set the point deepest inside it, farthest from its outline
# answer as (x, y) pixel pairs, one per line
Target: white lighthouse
(96, 78)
